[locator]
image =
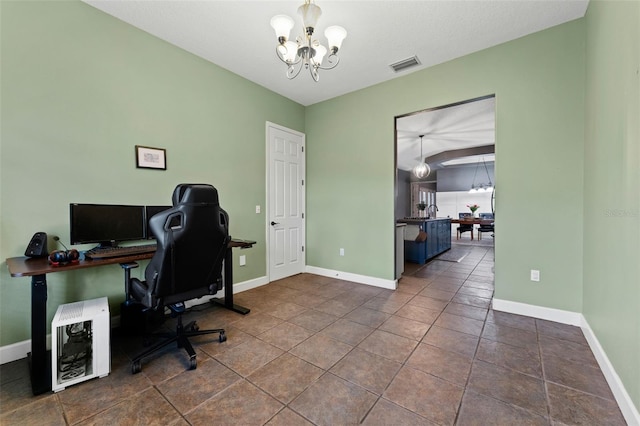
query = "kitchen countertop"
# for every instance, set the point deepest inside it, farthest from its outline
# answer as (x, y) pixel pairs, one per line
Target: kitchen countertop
(421, 219)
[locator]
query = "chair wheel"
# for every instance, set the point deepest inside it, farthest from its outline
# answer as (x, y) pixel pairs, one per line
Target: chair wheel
(223, 337)
(136, 367)
(193, 363)
(194, 327)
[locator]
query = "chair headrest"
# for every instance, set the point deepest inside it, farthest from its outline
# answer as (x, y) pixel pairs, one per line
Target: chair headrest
(200, 193)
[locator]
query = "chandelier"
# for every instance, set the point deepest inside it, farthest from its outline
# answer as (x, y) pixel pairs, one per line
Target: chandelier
(306, 52)
(422, 169)
(481, 187)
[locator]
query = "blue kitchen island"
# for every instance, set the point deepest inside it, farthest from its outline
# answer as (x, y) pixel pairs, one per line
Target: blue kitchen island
(438, 238)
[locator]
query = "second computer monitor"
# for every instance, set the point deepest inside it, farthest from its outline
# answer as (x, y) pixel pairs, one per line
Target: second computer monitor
(150, 211)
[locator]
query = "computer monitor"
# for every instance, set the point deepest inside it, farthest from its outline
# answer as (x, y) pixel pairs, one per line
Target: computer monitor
(150, 211)
(106, 224)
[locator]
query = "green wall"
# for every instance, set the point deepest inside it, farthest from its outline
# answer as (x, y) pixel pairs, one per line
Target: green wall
(79, 90)
(539, 86)
(567, 142)
(612, 194)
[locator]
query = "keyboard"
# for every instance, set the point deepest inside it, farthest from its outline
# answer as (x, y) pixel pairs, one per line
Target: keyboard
(108, 252)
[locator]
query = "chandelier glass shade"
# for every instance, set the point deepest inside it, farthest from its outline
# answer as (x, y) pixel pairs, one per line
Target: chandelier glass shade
(307, 52)
(422, 169)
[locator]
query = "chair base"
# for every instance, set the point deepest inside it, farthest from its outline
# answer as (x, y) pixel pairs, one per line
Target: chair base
(182, 339)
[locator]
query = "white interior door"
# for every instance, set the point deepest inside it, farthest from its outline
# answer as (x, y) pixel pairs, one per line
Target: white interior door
(286, 201)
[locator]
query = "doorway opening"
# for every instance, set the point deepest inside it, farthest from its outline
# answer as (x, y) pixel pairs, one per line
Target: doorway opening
(457, 141)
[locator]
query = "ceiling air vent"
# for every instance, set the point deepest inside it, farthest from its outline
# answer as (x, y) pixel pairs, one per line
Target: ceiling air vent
(405, 63)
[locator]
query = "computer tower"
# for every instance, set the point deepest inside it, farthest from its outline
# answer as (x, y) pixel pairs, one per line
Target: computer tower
(80, 343)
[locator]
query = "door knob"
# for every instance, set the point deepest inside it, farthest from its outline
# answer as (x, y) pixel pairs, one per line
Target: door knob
(274, 223)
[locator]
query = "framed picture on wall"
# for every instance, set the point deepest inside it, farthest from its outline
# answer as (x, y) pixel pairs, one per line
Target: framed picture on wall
(151, 158)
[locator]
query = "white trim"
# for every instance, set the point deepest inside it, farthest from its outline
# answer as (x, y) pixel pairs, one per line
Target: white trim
(629, 411)
(362, 279)
(622, 397)
(540, 312)
(248, 285)
(15, 351)
(19, 350)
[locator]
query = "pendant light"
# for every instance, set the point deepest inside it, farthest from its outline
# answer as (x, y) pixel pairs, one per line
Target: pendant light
(422, 169)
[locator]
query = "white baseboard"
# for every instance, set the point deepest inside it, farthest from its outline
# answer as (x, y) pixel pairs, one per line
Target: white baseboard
(19, 350)
(629, 410)
(361, 279)
(15, 351)
(248, 285)
(540, 312)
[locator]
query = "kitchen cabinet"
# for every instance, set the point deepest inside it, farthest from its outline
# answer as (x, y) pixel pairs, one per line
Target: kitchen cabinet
(438, 239)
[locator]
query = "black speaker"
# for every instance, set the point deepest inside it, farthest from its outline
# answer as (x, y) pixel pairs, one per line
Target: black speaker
(37, 246)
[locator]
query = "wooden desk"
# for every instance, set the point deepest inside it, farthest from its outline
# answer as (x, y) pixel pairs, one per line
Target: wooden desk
(473, 221)
(38, 269)
(227, 302)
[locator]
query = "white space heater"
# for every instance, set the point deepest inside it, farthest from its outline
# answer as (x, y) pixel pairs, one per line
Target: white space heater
(80, 348)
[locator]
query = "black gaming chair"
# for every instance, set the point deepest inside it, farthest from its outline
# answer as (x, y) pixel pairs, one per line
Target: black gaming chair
(192, 239)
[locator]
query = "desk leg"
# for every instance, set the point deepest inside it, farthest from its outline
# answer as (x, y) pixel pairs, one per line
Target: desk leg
(228, 287)
(40, 362)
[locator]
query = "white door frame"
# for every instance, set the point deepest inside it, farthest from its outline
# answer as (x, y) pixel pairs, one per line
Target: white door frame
(269, 125)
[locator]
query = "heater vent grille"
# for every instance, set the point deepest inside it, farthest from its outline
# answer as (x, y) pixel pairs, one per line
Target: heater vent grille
(405, 63)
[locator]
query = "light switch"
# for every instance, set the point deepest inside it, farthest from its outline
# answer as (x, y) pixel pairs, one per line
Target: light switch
(257, 209)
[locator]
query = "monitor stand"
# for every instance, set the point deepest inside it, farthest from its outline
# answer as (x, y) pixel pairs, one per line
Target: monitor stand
(104, 245)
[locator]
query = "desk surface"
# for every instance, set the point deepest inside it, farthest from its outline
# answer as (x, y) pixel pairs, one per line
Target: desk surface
(474, 221)
(26, 267)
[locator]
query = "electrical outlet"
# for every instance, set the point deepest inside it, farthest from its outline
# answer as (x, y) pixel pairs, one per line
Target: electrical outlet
(341, 252)
(535, 275)
(257, 209)
(243, 260)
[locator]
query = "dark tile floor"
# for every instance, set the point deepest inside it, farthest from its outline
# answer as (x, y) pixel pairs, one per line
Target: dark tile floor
(317, 350)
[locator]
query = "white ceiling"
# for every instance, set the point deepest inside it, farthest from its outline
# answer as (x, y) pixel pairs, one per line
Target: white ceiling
(236, 35)
(462, 126)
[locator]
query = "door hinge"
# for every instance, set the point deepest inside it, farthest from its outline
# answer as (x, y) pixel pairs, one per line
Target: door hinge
(303, 215)
(302, 182)
(302, 148)
(302, 248)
